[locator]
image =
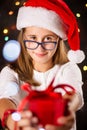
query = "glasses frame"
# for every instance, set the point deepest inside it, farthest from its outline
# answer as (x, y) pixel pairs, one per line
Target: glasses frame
(39, 43)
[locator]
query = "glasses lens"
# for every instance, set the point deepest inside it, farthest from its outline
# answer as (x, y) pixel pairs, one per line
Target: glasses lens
(31, 44)
(49, 45)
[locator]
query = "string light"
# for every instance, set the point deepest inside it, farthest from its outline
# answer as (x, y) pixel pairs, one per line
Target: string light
(5, 31)
(85, 68)
(86, 5)
(13, 27)
(78, 15)
(6, 38)
(10, 12)
(17, 3)
(9, 50)
(78, 29)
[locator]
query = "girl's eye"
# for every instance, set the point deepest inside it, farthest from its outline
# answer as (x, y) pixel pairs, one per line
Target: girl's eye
(48, 39)
(32, 38)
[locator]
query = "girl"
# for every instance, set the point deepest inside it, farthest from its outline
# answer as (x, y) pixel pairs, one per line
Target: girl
(44, 27)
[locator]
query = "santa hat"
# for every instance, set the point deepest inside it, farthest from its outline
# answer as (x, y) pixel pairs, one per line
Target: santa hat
(55, 16)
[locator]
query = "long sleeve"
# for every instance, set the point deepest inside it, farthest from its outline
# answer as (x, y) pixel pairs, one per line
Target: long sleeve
(71, 74)
(10, 85)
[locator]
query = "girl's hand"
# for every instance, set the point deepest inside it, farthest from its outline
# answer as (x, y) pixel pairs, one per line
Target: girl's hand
(65, 121)
(27, 121)
(73, 101)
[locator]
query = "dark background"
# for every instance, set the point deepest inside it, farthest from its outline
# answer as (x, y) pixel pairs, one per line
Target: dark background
(77, 6)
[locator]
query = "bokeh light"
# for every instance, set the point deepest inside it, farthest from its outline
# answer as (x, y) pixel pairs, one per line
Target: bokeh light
(17, 3)
(78, 15)
(86, 5)
(6, 38)
(11, 50)
(78, 29)
(11, 12)
(85, 68)
(5, 31)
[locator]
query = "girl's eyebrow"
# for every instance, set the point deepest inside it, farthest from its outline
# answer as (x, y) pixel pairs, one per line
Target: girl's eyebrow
(52, 36)
(29, 35)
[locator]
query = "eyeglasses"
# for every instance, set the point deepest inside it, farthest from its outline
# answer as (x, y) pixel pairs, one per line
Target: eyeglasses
(32, 45)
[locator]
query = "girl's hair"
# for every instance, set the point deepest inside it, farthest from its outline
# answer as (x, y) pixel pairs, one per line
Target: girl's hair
(24, 66)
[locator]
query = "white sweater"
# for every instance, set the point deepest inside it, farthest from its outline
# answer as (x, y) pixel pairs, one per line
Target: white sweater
(68, 73)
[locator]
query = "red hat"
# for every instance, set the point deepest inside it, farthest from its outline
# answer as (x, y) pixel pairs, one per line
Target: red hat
(56, 16)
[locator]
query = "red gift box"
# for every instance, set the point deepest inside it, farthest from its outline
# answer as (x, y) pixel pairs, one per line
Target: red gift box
(47, 105)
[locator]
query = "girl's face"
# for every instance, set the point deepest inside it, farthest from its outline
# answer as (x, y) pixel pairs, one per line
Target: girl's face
(39, 54)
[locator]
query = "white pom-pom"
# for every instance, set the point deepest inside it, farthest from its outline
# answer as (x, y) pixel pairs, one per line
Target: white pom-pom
(76, 56)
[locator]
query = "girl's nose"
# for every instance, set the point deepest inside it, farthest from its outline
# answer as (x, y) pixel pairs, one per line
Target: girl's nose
(40, 48)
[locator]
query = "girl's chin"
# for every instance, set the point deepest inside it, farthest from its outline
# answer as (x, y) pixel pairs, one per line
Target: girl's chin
(40, 61)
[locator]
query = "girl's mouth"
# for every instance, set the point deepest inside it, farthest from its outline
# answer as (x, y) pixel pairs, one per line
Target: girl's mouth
(40, 54)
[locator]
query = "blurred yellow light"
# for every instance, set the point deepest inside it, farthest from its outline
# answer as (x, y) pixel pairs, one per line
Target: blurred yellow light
(86, 5)
(17, 3)
(78, 30)
(10, 12)
(5, 31)
(78, 15)
(85, 68)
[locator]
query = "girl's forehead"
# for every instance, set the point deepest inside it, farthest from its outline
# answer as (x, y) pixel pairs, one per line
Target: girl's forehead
(38, 31)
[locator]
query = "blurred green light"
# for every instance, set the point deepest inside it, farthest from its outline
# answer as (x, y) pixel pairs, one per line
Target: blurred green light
(6, 38)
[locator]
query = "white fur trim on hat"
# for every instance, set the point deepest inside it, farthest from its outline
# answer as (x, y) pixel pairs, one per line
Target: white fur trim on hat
(76, 56)
(41, 17)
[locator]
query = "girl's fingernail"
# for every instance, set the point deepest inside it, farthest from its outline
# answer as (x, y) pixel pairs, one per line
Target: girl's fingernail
(28, 113)
(35, 120)
(61, 120)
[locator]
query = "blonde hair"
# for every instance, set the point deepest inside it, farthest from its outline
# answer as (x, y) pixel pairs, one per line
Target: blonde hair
(24, 66)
